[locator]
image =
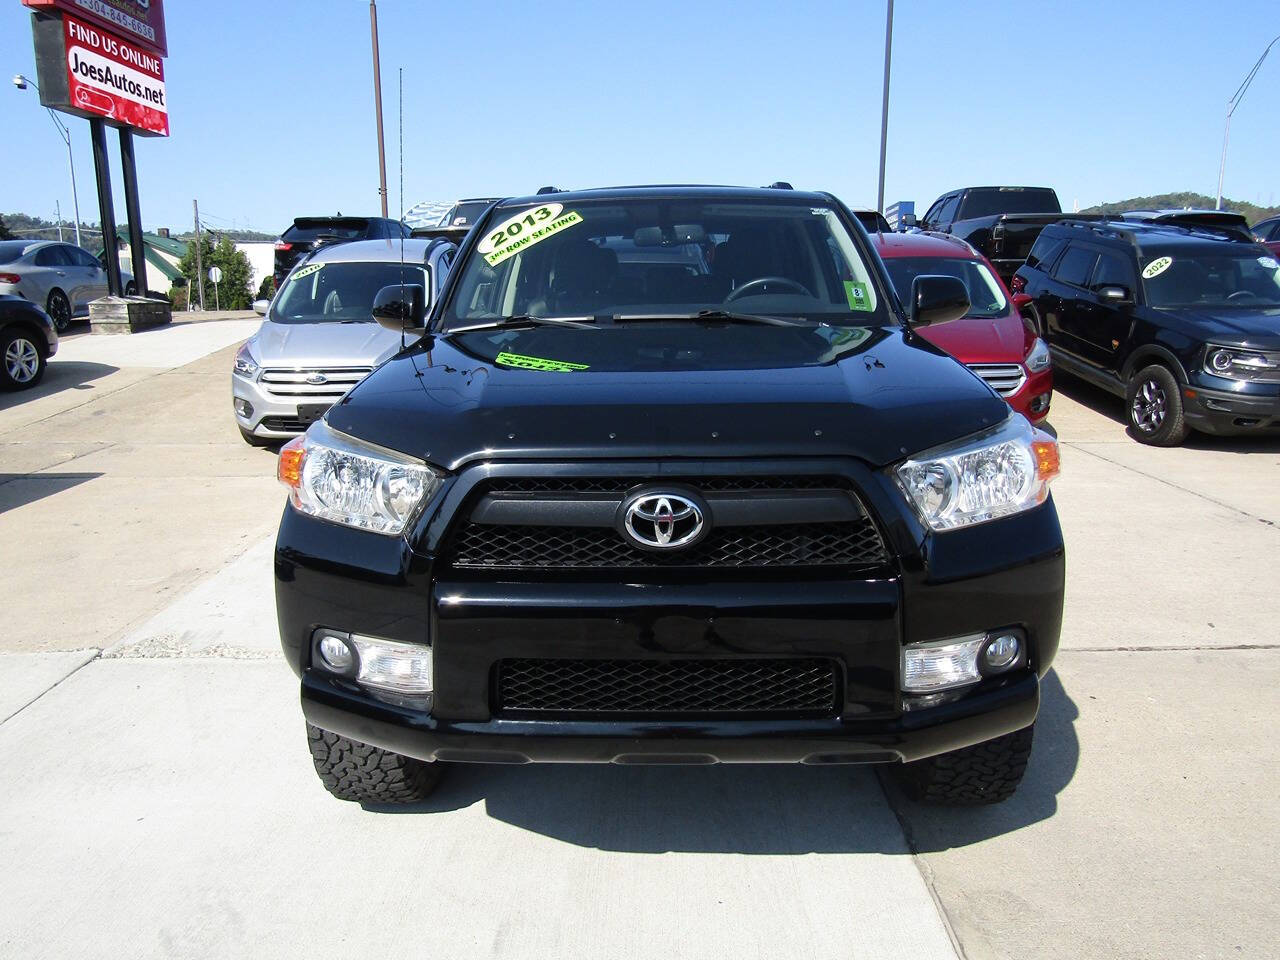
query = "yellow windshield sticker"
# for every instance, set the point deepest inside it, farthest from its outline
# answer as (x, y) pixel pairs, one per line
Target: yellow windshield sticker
(1156, 267)
(538, 363)
(525, 229)
(308, 271)
(856, 294)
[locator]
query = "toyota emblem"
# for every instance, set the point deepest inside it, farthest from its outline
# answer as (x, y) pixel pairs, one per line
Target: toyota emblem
(662, 519)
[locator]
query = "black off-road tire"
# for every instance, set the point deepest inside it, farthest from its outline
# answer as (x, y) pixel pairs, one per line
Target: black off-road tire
(1155, 389)
(363, 774)
(985, 773)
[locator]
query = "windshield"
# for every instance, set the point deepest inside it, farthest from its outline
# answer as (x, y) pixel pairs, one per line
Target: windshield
(337, 292)
(11, 250)
(989, 203)
(663, 257)
(1248, 278)
(985, 294)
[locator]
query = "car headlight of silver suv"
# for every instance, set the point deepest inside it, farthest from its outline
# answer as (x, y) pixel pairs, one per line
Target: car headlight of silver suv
(993, 474)
(246, 364)
(1240, 364)
(344, 480)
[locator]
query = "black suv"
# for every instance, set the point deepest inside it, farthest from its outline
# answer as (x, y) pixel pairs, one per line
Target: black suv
(1182, 321)
(722, 504)
(307, 233)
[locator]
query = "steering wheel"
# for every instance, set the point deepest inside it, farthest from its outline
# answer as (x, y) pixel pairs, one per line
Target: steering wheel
(765, 281)
(1242, 293)
(332, 303)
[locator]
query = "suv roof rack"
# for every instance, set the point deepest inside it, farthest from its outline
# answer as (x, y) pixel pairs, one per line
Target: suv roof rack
(543, 191)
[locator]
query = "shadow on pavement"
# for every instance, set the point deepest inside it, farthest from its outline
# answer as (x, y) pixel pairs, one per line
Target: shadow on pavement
(19, 489)
(756, 809)
(60, 375)
(1054, 758)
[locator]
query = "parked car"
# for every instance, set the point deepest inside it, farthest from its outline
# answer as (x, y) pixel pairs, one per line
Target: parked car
(28, 338)
(1001, 223)
(738, 511)
(992, 340)
(465, 213)
(1267, 233)
(60, 277)
(307, 233)
(318, 337)
(873, 221)
(1183, 322)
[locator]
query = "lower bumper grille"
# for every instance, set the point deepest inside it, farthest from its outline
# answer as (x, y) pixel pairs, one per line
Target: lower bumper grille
(667, 687)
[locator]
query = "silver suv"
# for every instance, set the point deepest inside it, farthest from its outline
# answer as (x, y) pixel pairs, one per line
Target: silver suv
(319, 338)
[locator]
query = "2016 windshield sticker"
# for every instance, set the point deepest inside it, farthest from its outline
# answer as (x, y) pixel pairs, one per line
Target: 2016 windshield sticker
(525, 229)
(308, 271)
(1156, 267)
(538, 363)
(856, 294)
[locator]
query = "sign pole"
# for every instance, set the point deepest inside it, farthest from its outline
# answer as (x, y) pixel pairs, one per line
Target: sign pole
(133, 210)
(106, 209)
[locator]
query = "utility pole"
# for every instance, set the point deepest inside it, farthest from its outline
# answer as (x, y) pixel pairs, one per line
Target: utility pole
(1231, 108)
(884, 106)
(377, 104)
(57, 205)
(195, 205)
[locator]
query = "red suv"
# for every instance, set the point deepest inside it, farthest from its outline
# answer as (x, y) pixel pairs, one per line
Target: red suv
(992, 340)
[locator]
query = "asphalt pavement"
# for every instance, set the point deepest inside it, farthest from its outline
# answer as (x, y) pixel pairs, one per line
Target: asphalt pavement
(158, 799)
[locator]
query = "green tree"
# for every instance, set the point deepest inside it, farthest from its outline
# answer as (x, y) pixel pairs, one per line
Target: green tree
(233, 291)
(267, 289)
(4, 231)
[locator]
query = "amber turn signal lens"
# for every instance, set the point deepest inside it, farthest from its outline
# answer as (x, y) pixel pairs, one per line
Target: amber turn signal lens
(1048, 459)
(289, 467)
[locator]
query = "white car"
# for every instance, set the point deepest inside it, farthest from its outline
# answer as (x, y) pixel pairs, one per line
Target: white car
(60, 278)
(319, 338)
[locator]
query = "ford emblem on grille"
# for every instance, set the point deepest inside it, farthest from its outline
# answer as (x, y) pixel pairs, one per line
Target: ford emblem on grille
(662, 519)
(316, 379)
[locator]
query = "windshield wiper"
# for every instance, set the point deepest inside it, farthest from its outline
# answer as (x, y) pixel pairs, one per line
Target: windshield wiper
(719, 316)
(527, 320)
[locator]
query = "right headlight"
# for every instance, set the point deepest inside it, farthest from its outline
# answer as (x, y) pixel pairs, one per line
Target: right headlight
(994, 474)
(343, 480)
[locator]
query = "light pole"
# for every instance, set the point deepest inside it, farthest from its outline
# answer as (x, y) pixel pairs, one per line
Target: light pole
(884, 106)
(377, 102)
(1231, 108)
(21, 82)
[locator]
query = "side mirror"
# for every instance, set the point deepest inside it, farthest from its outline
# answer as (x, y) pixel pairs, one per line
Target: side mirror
(1021, 300)
(1115, 295)
(907, 221)
(260, 307)
(937, 299)
(402, 308)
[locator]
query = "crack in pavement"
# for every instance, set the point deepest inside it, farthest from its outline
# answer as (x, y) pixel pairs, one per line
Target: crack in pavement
(97, 653)
(1171, 648)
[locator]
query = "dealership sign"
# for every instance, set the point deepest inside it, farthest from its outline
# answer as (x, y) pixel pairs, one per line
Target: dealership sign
(115, 79)
(141, 21)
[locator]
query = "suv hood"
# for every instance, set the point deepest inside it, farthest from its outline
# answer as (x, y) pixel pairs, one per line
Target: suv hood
(1259, 328)
(880, 400)
(324, 344)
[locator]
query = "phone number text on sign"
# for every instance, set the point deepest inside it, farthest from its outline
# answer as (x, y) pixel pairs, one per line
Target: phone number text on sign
(524, 229)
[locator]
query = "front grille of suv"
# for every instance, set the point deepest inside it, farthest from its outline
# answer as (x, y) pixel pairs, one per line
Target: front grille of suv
(332, 383)
(781, 534)
(662, 687)
(1005, 379)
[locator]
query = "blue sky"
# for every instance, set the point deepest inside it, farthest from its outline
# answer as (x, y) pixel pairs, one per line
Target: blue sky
(271, 102)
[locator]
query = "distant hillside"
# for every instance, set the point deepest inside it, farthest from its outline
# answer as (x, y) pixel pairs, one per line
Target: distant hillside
(1171, 201)
(28, 227)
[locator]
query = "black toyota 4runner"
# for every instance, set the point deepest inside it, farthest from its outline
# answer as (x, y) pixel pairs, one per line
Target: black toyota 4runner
(669, 478)
(1183, 321)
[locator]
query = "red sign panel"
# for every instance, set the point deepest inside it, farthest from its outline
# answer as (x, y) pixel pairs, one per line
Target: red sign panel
(115, 79)
(142, 21)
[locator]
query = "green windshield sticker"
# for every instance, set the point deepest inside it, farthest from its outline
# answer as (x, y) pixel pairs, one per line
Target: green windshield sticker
(308, 271)
(1156, 267)
(525, 229)
(538, 363)
(856, 294)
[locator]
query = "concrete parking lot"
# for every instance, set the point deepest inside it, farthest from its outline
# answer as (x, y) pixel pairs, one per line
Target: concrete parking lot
(158, 798)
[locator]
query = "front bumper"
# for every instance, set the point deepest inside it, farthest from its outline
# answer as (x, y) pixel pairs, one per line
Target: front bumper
(1245, 407)
(1000, 574)
(274, 417)
(1034, 397)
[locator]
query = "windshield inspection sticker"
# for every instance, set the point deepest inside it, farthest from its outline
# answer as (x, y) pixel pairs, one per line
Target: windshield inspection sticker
(1156, 267)
(538, 363)
(308, 271)
(856, 294)
(525, 229)
(1268, 262)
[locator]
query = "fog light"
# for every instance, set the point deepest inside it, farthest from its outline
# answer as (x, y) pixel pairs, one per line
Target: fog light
(1040, 403)
(941, 665)
(336, 653)
(1001, 652)
(397, 668)
(243, 407)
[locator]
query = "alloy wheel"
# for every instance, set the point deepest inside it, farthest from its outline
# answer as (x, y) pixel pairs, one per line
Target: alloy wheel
(59, 310)
(1149, 407)
(22, 360)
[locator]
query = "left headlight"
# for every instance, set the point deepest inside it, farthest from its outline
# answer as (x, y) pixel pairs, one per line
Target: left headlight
(1038, 357)
(1240, 364)
(991, 475)
(246, 364)
(344, 480)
